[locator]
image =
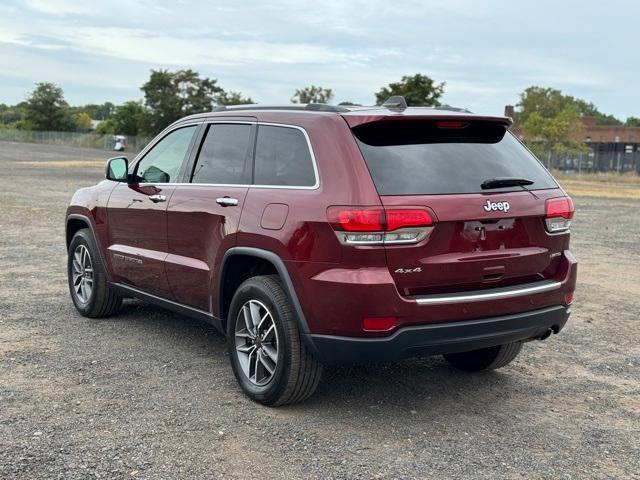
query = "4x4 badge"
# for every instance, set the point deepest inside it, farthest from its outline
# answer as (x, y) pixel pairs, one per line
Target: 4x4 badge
(408, 270)
(496, 206)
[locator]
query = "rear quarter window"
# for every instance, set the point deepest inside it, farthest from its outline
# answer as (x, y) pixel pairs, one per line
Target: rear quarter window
(420, 158)
(283, 157)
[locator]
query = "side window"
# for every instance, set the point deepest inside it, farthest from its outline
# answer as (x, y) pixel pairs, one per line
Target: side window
(225, 156)
(163, 162)
(283, 158)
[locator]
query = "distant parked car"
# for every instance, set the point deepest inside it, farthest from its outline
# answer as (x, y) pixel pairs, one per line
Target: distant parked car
(315, 235)
(119, 143)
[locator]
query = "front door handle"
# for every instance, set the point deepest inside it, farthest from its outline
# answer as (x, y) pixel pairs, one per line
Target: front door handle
(227, 201)
(158, 198)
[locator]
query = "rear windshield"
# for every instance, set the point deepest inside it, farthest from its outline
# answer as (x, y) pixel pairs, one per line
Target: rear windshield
(420, 157)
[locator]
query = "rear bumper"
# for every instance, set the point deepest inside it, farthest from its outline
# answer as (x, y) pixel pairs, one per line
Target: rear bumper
(449, 337)
(337, 298)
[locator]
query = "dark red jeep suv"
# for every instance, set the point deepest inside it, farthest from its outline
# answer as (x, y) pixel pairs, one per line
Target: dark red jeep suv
(315, 234)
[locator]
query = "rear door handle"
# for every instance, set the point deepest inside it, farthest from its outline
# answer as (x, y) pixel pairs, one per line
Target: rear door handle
(227, 201)
(158, 198)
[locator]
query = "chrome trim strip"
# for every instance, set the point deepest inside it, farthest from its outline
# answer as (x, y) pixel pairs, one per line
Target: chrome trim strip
(495, 294)
(315, 186)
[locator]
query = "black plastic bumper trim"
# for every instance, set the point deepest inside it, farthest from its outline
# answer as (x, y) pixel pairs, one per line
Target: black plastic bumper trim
(439, 338)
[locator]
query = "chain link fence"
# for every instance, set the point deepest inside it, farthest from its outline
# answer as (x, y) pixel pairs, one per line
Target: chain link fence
(73, 139)
(600, 158)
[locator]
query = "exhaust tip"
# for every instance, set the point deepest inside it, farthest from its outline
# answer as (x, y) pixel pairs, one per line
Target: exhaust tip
(546, 334)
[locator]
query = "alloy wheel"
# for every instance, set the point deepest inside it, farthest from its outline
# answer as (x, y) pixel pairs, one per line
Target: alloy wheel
(256, 340)
(82, 274)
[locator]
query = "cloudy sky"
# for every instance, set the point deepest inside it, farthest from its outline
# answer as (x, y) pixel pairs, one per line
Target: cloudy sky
(486, 51)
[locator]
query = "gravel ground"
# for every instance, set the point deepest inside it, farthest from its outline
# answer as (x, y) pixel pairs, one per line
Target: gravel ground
(149, 394)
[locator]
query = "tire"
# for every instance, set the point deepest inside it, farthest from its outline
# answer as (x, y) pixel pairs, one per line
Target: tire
(101, 300)
(485, 358)
(295, 372)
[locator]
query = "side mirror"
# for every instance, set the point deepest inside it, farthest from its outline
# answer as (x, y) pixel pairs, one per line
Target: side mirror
(117, 169)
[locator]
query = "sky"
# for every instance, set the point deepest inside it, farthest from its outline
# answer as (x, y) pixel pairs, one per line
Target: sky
(487, 51)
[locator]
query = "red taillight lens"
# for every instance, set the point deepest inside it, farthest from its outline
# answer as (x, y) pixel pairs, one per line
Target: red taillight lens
(377, 219)
(560, 207)
(559, 212)
(377, 226)
(356, 219)
(378, 324)
(407, 218)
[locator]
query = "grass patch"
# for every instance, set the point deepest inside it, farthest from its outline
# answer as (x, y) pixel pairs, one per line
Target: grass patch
(607, 185)
(629, 178)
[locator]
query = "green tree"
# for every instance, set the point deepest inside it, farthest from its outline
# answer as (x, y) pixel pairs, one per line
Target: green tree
(232, 98)
(312, 94)
(418, 90)
(556, 133)
(47, 110)
(106, 127)
(170, 96)
(82, 121)
(549, 102)
(98, 111)
(632, 122)
(126, 120)
(544, 102)
(12, 114)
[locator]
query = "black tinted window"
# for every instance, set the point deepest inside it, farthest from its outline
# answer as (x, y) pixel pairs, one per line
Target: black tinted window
(407, 158)
(163, 162)
(225, 155)
(283, 157)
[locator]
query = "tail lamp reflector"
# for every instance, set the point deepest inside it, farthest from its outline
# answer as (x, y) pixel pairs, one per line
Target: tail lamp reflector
(568, 298)
(377, 225)
(559, 212)
(378, 324)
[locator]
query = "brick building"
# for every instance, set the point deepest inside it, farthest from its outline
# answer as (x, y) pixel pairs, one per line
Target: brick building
(613, 148)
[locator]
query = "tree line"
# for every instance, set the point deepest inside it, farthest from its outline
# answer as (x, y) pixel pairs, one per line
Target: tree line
(169, 96)
(550, 120)
(546, 117)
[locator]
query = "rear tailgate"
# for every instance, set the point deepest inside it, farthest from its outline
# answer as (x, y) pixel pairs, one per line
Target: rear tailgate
(472, 249)
(481, 238)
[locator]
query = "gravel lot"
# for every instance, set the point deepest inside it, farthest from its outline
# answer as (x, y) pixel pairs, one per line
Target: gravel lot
(149, 394)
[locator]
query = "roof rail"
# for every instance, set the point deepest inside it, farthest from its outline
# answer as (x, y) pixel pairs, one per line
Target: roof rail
(314, 107)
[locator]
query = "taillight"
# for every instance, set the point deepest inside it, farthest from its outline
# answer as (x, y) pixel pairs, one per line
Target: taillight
(402, 218)
(559, 214)
(377, 225)
(357, 219)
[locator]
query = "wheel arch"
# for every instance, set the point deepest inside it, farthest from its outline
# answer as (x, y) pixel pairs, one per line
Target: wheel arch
(76, 222)
(266, 259)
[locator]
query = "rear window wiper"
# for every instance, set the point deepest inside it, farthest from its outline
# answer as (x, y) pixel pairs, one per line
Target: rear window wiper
(505, 182)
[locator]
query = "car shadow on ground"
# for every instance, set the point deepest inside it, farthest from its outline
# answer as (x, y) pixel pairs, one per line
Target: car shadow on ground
(382, 388)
